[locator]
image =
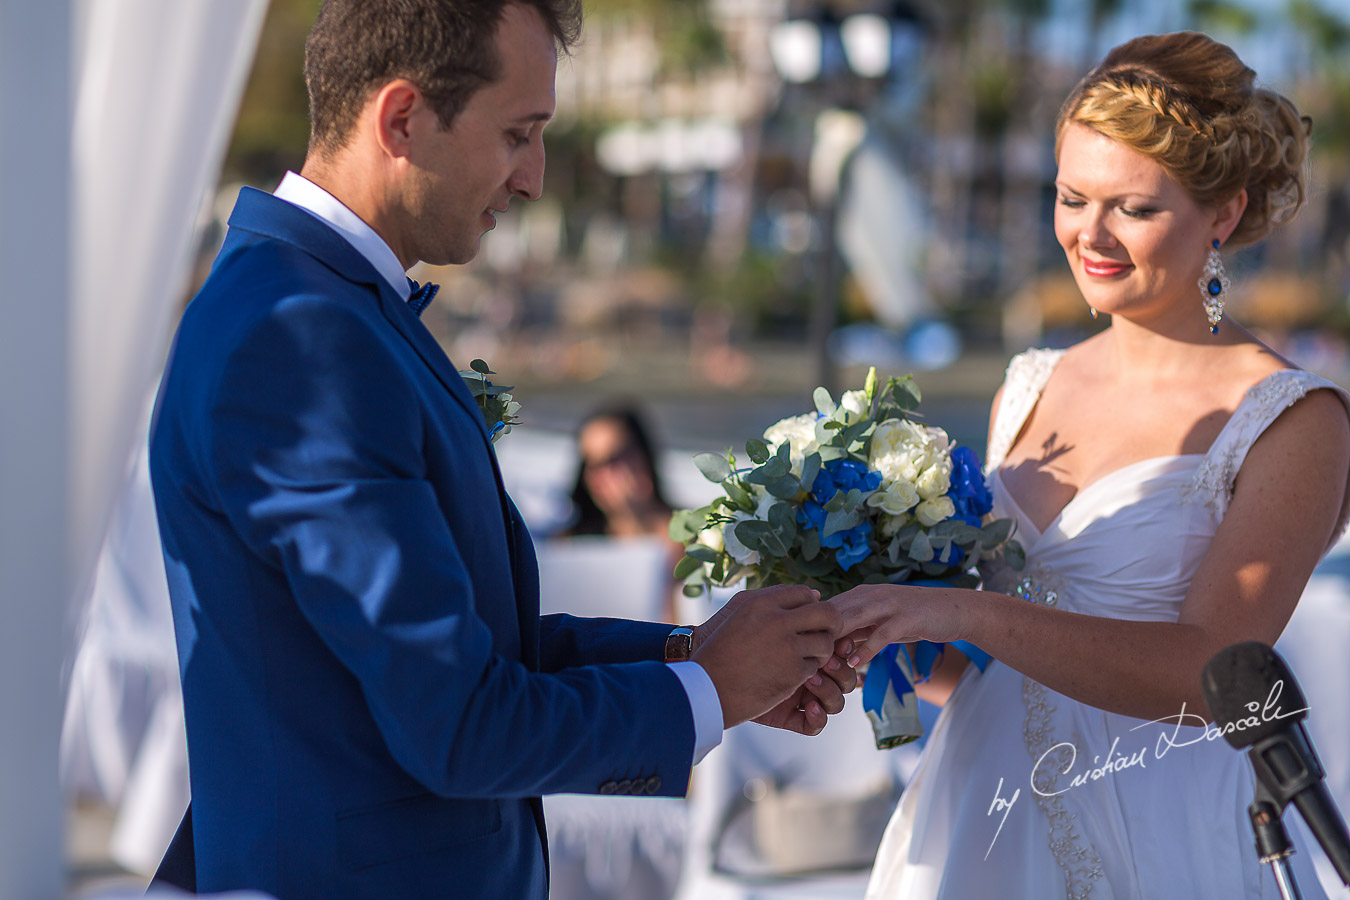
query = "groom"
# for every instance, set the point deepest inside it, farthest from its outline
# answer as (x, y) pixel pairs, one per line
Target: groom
(374, 705)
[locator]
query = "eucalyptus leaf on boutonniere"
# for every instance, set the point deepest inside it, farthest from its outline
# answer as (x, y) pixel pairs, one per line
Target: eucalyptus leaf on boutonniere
(494, 400)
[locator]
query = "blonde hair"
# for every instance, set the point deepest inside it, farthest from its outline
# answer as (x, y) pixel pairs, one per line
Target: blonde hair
(1190, 104)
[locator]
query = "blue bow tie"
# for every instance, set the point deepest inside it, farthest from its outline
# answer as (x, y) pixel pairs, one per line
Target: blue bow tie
(421, 295)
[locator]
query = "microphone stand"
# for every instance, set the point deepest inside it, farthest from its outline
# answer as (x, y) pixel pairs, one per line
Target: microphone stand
(1272, 841)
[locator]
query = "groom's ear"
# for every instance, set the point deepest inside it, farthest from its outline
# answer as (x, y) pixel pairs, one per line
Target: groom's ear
(396, 111)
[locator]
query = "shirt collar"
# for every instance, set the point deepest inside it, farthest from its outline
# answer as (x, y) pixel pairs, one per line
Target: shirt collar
(300, 191)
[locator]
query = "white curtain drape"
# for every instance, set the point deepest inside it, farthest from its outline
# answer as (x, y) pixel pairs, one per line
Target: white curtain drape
(159, 83)
(114, 116)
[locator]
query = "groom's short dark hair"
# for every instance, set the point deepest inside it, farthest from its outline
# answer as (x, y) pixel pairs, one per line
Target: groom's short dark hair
(445, 47)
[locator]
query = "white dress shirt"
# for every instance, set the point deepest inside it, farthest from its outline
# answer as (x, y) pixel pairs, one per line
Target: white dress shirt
(299, 191)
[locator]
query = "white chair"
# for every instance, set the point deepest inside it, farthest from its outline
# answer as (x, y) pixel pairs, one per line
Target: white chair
(610, 847)
(123, 739)
(755, 797)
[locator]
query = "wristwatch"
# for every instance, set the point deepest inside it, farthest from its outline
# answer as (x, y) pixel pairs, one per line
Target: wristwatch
(679, 644)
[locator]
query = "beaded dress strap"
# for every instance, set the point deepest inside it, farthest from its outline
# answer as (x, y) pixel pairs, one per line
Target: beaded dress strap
(1022, 385)
(1261, 405)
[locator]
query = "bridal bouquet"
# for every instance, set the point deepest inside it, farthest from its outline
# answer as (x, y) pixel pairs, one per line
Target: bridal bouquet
(854, 492)
(494, 400)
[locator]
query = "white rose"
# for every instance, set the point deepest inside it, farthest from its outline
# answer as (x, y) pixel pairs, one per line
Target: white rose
(799, 432)
(898, 465)
(852, 407)
(935, 480)
(894, 498)
(886, 439)
(931, 512)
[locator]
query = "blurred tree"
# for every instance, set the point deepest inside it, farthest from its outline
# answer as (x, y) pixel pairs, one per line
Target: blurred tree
(272, 130)
(1221, 15)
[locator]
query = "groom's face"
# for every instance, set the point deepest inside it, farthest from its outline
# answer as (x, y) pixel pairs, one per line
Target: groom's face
(493, 150)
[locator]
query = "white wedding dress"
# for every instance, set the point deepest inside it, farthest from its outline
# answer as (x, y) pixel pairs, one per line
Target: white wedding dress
(1158, 820)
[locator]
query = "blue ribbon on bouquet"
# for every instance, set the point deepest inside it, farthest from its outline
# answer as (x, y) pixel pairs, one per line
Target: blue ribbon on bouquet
(885, 672)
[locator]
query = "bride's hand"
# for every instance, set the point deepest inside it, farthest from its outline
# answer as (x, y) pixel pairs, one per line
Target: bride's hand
(875, 615)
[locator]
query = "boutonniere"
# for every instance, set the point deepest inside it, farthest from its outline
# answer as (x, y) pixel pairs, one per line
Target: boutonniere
(494, 400)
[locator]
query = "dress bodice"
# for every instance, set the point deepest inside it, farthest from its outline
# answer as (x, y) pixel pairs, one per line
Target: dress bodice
(1128, 543)
(1088, 803)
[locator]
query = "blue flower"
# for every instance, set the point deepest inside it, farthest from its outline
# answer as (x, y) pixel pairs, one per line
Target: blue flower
(850, 545)
(968, 492)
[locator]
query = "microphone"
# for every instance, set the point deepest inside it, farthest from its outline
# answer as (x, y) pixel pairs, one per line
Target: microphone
(1257, 704)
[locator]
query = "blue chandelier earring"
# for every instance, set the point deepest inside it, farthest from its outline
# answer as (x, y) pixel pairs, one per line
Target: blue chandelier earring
(1214, 285)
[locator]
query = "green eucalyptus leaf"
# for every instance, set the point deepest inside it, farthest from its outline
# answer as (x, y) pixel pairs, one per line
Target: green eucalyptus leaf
(687, 566)
(714, 466)
(751, 533)
(757, 450)
(685, 524)
(920, 549)
(810, 468)
(776, 468)
(810, 544)
(996, 532)
(785, 488)
(782, 516)
(480, 367)
(693, 590)
(839, 520)
(700, 553)
(835, 503)
(825, 404)
(963, 534)
(816, 566)
(758, 475)
(760, 536)
(1014, 555)
(905, 393)
(739, 496)
(830, 452)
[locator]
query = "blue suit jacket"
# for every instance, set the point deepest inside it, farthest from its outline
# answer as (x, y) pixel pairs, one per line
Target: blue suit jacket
(374, 705)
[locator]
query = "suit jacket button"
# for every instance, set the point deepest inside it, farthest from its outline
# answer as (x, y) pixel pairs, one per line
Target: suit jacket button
(653, 784)
(609, 787)
(623, 786)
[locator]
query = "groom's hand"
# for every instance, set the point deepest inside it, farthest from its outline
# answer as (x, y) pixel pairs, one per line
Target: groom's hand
(762, 649)
(812, 704)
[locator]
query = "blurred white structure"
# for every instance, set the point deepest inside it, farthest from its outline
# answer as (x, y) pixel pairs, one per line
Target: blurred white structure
(114, 116)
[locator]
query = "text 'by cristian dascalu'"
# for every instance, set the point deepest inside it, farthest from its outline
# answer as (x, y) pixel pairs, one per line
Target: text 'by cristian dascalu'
(1115, 761)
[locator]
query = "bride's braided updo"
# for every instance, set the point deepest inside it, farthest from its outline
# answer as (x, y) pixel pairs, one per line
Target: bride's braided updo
(1187, 102)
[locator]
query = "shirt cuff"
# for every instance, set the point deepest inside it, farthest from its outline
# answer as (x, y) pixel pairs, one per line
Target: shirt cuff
(703, 703)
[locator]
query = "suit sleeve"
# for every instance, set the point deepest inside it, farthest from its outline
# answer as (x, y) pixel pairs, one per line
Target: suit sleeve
(566, 641)
(317, 438)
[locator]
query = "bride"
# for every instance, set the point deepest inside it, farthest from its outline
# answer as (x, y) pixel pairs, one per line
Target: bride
(1174, 482)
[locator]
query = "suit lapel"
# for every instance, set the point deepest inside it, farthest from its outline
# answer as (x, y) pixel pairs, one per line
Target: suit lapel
(262, 214)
